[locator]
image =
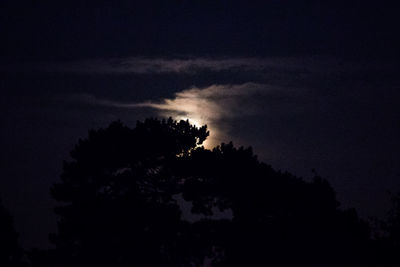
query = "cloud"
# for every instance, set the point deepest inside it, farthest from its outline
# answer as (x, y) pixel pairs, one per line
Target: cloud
(143, 65)
(283, 96)
(190, 65)
(214, 105)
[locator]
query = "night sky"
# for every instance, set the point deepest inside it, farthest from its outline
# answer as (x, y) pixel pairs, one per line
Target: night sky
(308, 84)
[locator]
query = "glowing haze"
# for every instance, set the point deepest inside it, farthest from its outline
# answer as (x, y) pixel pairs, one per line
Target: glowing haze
(213, 106)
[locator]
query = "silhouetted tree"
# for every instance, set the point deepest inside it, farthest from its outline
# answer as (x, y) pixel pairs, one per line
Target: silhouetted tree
(118, 192)
(10, 252)
(392, 225)
(278, 219)
(121, 194)
(388, 235)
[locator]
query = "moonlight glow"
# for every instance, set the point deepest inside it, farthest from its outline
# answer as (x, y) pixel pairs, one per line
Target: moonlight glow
(215, 106)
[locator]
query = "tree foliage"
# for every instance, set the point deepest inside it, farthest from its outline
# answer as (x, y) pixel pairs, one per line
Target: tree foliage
(10, 252)
(118, 193)
(122, 196)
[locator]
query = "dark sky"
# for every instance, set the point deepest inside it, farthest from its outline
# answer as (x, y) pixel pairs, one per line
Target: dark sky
(308, 84)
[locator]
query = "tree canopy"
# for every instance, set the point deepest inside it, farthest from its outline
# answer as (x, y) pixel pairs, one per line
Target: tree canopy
(10, 252)
(123, 193)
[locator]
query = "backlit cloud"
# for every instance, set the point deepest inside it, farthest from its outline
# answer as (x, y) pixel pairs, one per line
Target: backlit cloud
(214, 105)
